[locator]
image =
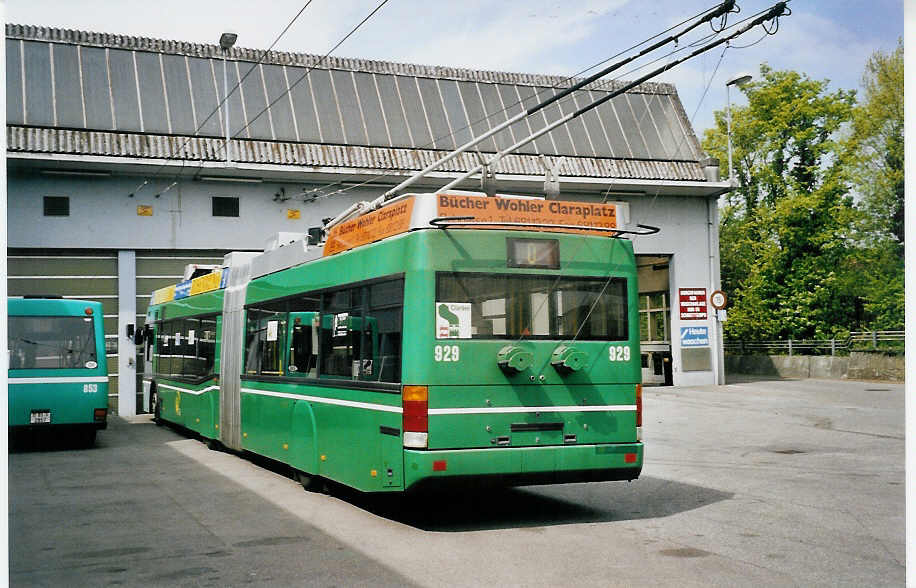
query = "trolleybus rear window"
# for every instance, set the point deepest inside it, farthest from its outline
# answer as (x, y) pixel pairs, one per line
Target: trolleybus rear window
(52, 342)
(539, 307)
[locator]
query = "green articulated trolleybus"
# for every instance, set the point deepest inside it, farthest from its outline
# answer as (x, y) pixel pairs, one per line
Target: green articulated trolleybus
(436, 339)
(58, 378)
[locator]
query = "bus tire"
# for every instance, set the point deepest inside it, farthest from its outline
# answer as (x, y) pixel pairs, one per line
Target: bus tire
(156, 413)
(215, 445)
(310, 483)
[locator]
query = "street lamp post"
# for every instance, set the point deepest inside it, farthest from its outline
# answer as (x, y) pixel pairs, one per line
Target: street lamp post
(226, 41)
(737, 81)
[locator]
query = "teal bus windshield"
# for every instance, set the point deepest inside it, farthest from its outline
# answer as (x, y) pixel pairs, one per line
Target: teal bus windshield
(52, 342)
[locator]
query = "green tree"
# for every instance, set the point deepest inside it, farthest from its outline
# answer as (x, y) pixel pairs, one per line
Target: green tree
(876, 144)
(787, 231)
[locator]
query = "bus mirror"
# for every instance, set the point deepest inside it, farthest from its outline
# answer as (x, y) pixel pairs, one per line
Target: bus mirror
(137, 335)
(130, 330)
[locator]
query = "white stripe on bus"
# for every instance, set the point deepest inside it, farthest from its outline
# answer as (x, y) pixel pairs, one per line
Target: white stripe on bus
(431, 411)
(322, 400)
(516, 409)
(58, 380)
(188, 390)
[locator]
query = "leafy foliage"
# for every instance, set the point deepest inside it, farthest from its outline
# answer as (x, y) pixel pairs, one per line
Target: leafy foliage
(795, 245)
(877, 175)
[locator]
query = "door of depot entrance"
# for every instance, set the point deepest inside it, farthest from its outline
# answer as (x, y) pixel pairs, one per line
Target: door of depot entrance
(656, 364)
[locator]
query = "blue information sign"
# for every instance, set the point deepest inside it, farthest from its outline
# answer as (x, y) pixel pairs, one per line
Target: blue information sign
(182, 289)
(694, 336)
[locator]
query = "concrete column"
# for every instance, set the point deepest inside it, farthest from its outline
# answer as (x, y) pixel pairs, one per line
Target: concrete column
(715, 283)
(127, 315)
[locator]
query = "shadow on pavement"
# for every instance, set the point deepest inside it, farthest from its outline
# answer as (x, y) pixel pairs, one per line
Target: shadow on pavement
(500, 508)
(135, 511)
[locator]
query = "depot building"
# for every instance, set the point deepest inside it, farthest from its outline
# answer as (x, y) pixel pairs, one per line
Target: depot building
(120, 173)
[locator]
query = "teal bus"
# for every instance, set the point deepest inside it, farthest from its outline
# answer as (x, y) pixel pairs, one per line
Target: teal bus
(58, 378)
(441, 339)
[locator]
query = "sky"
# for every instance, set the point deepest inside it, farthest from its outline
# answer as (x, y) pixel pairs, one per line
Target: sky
(824, 39)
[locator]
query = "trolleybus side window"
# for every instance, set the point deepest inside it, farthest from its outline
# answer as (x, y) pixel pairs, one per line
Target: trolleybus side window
(340, 338)
(51, 342)
(264, 342)
(206, 344)
(351, 333)
(162, 355)
(386, 303)
(186, 347)
(303, 336)
(539, 307)
(360, 333)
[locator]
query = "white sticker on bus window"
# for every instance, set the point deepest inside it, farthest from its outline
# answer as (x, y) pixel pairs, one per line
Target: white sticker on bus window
(453, 320)
(341, 324)
(177, 338)
(91, 365)
(165, 340)
(191, 337)
(272, 330)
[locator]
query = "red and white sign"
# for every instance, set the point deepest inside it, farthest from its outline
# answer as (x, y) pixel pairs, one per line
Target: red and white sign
(692, 302)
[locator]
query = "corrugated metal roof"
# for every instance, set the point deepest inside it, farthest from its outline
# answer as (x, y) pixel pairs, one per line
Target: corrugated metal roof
(371, 159)
(106, 94)
(208, 51)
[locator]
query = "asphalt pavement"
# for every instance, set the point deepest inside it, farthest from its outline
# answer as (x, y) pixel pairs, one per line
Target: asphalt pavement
(758, 483)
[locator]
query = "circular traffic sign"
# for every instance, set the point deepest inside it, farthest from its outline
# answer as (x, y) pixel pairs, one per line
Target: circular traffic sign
(718, 299)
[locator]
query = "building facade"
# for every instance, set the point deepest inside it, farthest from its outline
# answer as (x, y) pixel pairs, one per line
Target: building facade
(120, 172)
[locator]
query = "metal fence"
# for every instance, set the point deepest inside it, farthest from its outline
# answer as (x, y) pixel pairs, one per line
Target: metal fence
(856, 341)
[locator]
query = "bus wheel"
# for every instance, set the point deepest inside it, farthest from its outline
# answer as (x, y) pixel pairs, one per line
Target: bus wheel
(156, 417)
(214, 445)
(310, 483)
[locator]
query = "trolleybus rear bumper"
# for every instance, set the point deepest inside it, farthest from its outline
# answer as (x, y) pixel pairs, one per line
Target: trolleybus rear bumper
(522, 466)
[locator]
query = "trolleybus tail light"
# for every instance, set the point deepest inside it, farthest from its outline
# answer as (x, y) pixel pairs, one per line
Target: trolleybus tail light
(629, 458)
(440, 465)
(100, 414)
(639, 412)
(415, 400)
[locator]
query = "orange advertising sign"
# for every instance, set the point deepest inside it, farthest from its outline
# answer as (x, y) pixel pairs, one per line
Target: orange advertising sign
(533, 212)
(368, 228)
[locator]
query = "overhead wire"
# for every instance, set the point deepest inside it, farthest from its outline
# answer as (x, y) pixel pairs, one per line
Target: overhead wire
(376, 177)
(299, 80)
(225, 145)
(658, 188)
(220, 104)
(486, 117)
(723, 28)
(579, 248)
(312, 67)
